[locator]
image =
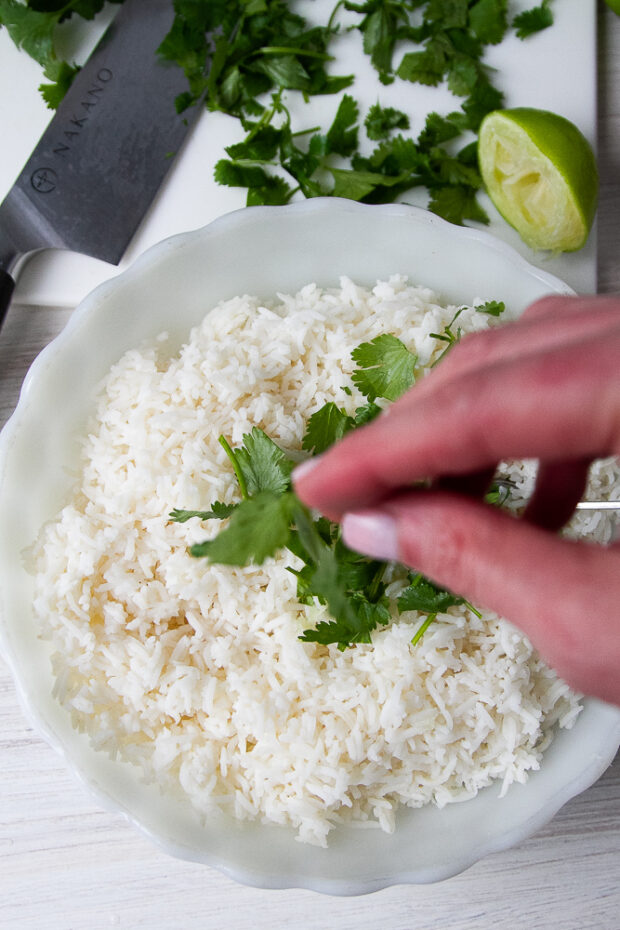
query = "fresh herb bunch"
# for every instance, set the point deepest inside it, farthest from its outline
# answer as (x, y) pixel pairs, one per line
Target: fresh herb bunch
(270, 517)
(235, 53)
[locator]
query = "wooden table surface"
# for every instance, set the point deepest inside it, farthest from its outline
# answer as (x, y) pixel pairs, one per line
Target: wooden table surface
(67, 865)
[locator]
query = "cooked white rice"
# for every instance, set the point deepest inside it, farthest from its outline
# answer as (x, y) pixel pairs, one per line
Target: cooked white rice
(194, 672)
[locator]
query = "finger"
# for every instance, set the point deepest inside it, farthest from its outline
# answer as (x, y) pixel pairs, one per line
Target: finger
(559, 488)
(561, 307)
(563, 595)
(520, 408)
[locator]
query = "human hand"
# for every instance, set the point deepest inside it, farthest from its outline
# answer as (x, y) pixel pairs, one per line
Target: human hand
(546, 387)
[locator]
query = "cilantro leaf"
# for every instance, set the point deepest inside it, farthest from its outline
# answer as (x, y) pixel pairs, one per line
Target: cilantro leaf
(219, 511)
(342, 134)
(356, 620)
(284, 70)
(534, 20)
(259, 526)
(451, 13)
(457, 203)
(60, 75)
(488, 20)
(354, 617)
(367, 413)
(273, 192)
(426, 67)
(455, 172)
(380, 121)
(359, 573)
(483, 99)
(400, 160)
(264, 466)
(499, 493)
(325, 427)
(31, 30)
(261, 144)
(425, 596)
(358, 184)
(236, 174)
(386, 368)
(463, 74)
(380, 30)
(491, 307)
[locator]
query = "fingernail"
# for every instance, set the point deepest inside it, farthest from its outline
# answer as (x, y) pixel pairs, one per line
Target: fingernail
(304, 468)
(372, 533)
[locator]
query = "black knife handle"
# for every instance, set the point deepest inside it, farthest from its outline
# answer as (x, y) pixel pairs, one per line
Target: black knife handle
(7, 284)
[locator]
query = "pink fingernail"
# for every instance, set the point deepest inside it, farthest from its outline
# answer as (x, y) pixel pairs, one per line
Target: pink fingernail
(372, 533)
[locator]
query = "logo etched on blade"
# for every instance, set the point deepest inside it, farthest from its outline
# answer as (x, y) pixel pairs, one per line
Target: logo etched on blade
(44, 180)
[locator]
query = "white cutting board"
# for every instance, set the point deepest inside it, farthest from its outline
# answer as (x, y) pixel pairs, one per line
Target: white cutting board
(556, 70)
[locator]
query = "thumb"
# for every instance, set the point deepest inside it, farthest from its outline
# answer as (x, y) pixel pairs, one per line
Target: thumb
(562, 594)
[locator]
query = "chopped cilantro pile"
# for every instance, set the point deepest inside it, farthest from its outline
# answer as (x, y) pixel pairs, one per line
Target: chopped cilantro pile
(270, 517)
(243, 56)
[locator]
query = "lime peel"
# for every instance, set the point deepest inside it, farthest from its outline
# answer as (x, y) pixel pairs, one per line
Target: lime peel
(540, 172)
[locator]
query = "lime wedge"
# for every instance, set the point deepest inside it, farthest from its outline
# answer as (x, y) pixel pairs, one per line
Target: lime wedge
(540, 172)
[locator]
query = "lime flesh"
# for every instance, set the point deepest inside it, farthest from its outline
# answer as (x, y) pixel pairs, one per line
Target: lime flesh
(540, 172)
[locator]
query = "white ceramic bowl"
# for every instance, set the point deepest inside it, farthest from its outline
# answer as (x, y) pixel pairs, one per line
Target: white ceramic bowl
(262, 250)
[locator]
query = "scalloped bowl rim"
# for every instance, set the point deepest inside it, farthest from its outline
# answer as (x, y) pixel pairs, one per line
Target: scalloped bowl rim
(49, 721)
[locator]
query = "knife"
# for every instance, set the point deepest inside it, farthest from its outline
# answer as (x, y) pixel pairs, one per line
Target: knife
(100, 162)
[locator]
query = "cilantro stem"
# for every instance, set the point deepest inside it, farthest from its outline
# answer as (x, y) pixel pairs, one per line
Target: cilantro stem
(330, 23)
(304, 132)
(290, 50)
(473, 609)
(419, 633)
(235, 464)
(374, 589)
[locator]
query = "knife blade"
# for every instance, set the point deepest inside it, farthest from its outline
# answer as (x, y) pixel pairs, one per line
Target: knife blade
(598, 505)
(101, 160)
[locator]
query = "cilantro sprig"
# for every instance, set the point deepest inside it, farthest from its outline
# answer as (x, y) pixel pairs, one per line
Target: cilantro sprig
(451, 336)
(33, 27)
(533, 20)
(269, 517)
(386, 368)
(425, 597)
